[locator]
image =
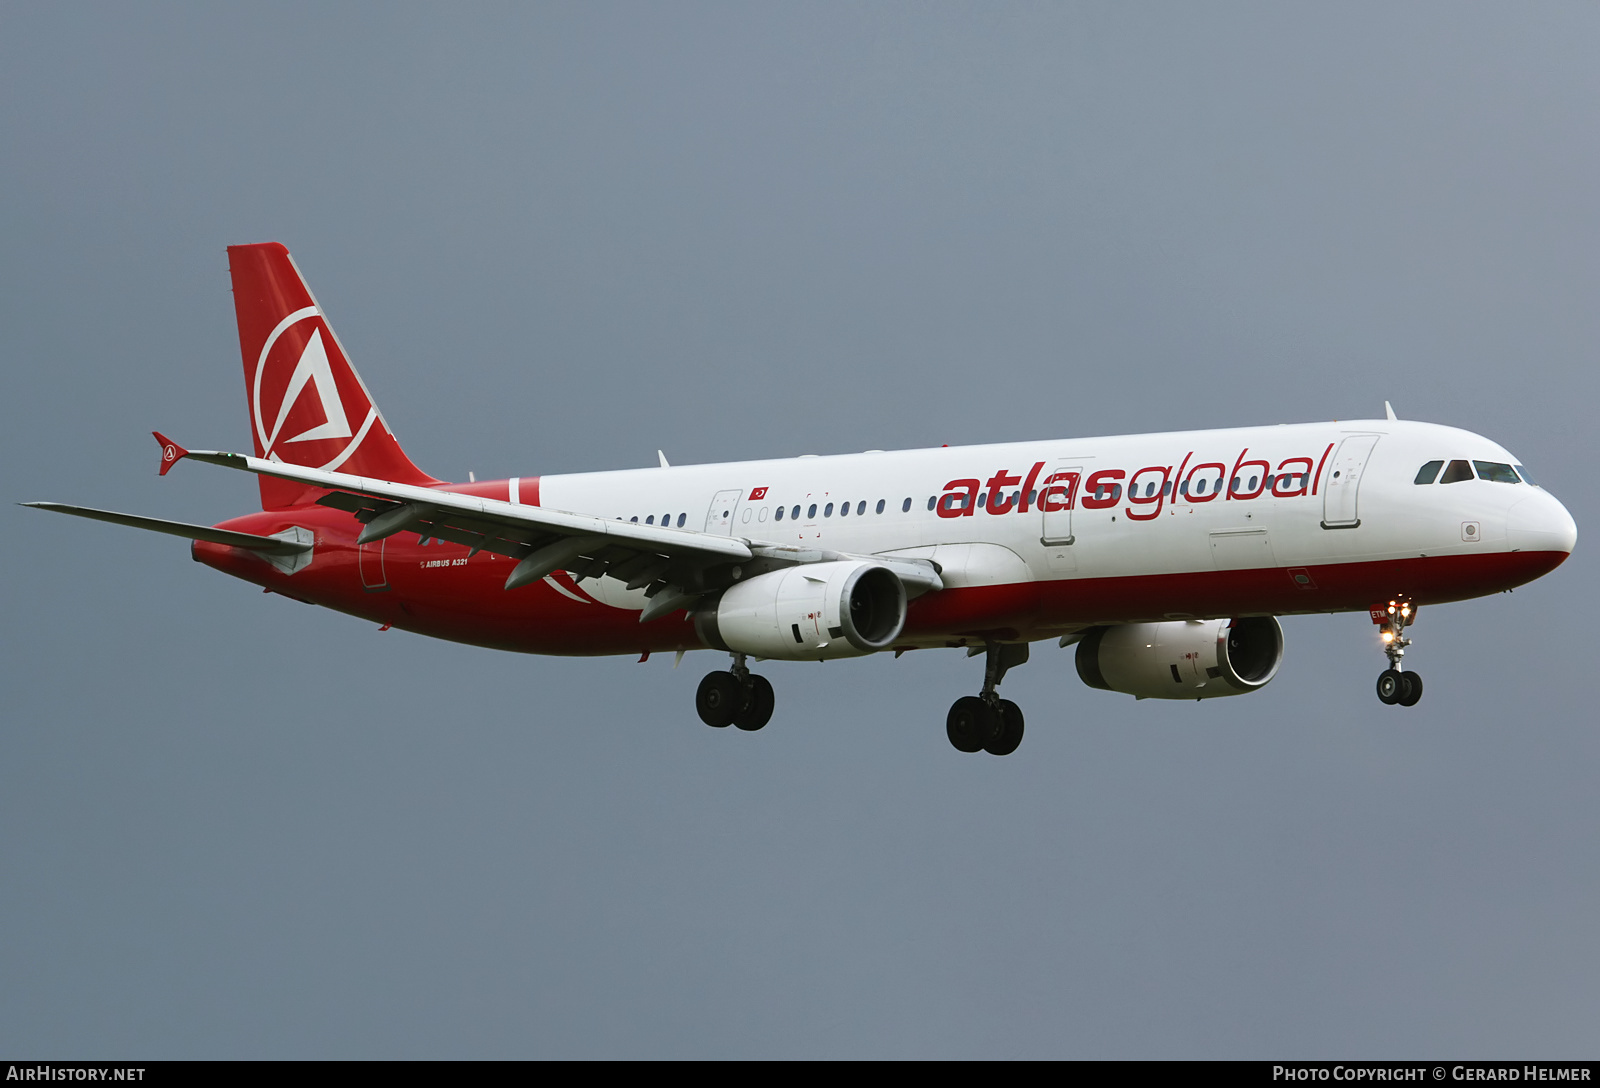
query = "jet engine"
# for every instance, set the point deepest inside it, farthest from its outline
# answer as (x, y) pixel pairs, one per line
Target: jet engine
(1182, 659)
(810, 612)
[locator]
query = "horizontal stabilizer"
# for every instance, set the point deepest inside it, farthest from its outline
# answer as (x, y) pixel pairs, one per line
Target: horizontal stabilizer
(266, 545)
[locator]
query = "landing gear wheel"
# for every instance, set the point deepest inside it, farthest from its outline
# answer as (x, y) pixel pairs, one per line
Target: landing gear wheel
(718, 699)
(971, 724)
(1010, 735)
(757, 709)
(1394, 686)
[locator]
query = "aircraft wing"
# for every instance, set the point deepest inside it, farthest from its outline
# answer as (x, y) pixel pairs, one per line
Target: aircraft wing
(675, 567)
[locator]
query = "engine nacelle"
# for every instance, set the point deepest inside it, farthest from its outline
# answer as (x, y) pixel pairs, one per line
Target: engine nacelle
(1182, 659)
(808, 613)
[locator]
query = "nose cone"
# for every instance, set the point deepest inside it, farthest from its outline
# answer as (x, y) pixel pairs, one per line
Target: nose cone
(1539, 523)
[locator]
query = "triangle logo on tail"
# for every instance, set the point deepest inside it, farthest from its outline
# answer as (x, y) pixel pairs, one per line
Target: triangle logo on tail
(312, 368)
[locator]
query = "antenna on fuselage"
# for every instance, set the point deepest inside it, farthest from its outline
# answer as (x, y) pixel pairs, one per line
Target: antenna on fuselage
(663, 459)
(1388, 411)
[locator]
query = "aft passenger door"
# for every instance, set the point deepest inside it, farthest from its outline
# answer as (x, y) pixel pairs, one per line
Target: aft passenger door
(369, 559)
(1339, 493)
(719, 519)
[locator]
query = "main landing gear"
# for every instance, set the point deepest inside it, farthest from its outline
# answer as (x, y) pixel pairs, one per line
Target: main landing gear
(736, 697)
(987, 722)
(1394, 684)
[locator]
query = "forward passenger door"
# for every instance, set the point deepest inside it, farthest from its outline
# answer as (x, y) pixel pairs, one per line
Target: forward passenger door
(1340, 489)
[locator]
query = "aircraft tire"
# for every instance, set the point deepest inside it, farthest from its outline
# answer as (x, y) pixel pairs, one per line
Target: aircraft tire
(757, 709)
(1391, 686)
(971, 724)
(1410, 689)
(718, 699)
(1010, 735)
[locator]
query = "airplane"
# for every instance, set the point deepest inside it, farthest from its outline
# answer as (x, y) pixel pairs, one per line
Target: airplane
(1165, 559)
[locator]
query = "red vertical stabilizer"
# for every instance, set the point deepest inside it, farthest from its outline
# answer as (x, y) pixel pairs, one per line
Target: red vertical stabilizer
(308, 406)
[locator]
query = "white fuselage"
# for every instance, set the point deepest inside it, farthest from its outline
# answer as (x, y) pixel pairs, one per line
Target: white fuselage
(1341, 496)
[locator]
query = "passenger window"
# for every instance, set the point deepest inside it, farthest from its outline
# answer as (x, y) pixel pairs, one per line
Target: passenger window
(827, 511)
(811, 514)
(680, 521)
(1495, 472)
(880, 506)
(931, 500)
(844, 509)
(1429, 472)
(651, 520)
(634, 519)
(795, 513)
(779, 515)
(1456, 472)
(861, 507)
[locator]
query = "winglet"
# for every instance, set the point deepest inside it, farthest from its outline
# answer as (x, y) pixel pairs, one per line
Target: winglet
(171, 452)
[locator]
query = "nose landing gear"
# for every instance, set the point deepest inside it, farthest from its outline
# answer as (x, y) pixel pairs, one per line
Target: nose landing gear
(986, 722)
(1396, 686)
(737, 697)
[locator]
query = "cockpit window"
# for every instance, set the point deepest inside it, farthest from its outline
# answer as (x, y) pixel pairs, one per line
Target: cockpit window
(1429, 472)
(1495, 472)
(1525, 477)
(1456, 472)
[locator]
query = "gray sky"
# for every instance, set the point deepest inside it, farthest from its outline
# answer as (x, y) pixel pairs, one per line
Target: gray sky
(556, 238)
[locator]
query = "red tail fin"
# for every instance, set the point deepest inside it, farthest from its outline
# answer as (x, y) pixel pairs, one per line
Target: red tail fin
(308, 406)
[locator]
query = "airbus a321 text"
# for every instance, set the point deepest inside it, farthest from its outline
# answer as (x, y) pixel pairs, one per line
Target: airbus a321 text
(1166, 558)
